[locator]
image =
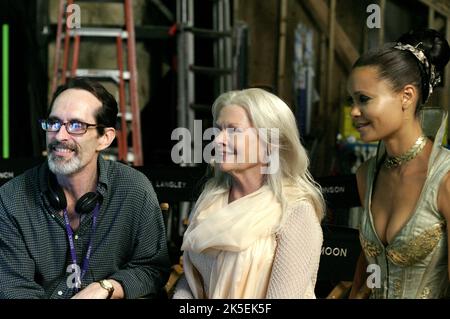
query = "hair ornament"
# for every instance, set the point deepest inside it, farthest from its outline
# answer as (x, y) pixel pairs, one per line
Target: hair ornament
(419, 53)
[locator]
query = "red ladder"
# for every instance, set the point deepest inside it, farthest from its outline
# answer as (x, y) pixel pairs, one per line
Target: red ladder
(125, 80)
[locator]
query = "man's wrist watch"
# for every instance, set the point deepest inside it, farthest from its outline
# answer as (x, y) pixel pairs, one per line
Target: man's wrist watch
(106, 284)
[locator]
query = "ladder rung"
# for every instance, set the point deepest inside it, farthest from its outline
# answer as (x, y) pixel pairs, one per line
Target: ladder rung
(208, 33)
(200, 107)
(101, 74)
(99, 32)
(209, 70)
(152, 32)
(128, 116)
(117, 1)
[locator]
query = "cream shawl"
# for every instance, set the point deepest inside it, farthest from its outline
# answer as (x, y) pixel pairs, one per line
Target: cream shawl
(241, 237)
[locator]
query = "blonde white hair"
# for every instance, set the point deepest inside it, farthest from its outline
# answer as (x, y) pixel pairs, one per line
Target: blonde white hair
(265, 110)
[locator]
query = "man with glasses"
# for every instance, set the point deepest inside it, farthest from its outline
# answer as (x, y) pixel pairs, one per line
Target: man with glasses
(80, 226)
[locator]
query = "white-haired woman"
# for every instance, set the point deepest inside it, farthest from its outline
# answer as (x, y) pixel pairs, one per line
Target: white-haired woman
(255, 230)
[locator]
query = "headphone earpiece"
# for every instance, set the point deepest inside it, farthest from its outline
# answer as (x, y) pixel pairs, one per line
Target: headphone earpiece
(87, 203)
(84, 205)
(55, 193)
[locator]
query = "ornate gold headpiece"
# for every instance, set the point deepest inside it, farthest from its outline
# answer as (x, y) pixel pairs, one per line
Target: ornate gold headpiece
(419, 53)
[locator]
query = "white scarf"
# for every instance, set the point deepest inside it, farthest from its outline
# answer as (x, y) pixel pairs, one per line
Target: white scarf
(241, 236)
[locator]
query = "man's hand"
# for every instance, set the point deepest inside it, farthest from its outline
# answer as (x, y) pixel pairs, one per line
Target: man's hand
(95, 291)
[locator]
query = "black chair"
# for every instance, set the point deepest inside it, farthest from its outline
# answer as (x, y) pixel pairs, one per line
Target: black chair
(341, 247)
(10, 168)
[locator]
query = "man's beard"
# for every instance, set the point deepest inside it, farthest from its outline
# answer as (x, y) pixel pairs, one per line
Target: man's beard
(59, 165)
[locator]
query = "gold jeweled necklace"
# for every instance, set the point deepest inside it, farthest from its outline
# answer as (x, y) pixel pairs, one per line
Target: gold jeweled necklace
(396, 161)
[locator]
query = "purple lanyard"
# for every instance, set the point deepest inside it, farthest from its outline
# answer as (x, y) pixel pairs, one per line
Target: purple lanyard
(72, 246)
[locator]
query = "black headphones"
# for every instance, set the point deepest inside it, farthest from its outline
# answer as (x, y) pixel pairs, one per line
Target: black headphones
(57, 199)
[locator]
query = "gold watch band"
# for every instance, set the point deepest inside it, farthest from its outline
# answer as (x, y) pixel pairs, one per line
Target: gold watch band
(105, 284)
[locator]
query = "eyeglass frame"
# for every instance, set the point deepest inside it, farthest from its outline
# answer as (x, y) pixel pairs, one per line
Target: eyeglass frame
(88, 125)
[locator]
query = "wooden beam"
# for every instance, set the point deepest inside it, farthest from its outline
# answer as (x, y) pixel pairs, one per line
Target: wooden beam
(441, 6)
(381, 30)
(431, 18)
(323, 71)
(445, 93)
(282, 47)
(236, 12)
(445, 100)
(318, 9)
(330, 61)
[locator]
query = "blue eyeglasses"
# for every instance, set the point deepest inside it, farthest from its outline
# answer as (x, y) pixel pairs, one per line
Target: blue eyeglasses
(72, 127)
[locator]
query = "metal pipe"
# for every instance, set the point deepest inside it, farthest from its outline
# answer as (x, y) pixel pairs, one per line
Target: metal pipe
(190, 53)
(228, 45)
(282, 47)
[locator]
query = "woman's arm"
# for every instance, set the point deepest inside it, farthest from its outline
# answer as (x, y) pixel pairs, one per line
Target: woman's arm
(359, 287)
(297, 255)
(359, 279)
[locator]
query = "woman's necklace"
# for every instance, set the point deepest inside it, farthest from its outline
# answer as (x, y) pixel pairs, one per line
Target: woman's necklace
(396, 161)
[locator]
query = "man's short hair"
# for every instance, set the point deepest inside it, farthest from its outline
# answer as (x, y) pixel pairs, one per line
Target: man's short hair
(107, 114)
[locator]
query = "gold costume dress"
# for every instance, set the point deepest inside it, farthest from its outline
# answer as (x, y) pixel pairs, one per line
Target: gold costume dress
(415, 263)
